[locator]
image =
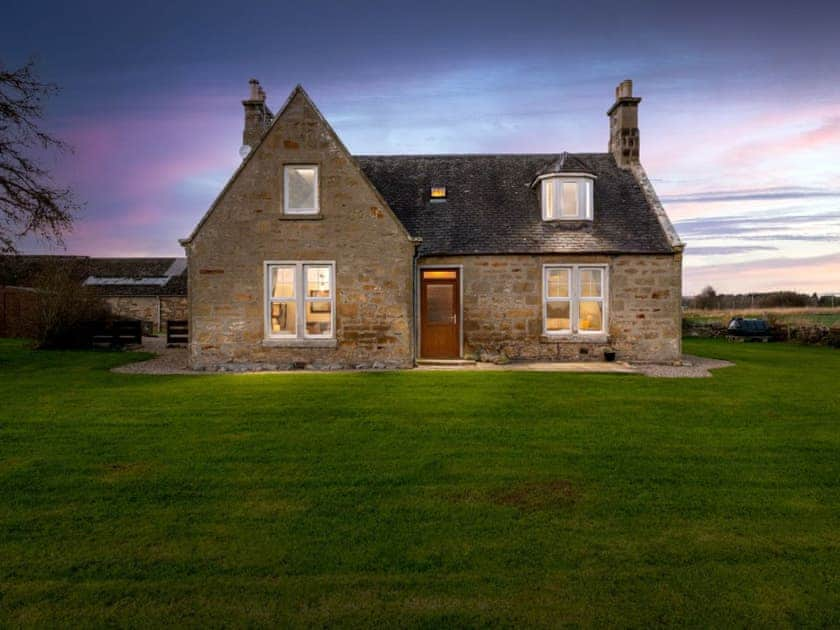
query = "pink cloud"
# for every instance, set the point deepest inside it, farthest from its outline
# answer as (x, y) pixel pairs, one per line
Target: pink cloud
(819, 274)
(828, 133)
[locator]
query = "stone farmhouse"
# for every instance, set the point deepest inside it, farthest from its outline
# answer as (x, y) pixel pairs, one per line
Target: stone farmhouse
(313, 256)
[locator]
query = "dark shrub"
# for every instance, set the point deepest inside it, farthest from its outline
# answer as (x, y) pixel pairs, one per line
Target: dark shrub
(68, 312)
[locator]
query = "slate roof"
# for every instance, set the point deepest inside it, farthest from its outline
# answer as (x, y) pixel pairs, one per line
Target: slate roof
(492, 207)
(119, 275)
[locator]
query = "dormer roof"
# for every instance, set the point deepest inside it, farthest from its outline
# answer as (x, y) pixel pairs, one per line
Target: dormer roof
(564, 163)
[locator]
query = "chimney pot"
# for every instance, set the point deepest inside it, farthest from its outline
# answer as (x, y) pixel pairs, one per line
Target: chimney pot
(625, 89)
(255, 90)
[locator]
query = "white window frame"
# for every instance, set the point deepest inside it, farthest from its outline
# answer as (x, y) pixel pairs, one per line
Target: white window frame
(585, 195)
(574, 300)
(286, 209)
(301, 299)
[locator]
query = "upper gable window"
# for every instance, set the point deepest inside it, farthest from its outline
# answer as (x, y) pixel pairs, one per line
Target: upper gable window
(566, 197)
(300, 186)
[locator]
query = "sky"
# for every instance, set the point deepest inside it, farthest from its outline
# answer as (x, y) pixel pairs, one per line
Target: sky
(739, 123)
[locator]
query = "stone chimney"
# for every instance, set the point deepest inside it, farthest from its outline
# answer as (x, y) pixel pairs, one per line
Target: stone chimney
(257, 117)
(624, 125)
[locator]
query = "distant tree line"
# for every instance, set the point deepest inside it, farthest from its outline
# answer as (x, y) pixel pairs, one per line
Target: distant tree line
(710, 299)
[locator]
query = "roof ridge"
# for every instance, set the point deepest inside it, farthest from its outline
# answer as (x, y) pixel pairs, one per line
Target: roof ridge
(429, 155)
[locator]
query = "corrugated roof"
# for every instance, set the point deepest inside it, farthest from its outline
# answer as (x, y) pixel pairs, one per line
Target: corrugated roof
(110, 277)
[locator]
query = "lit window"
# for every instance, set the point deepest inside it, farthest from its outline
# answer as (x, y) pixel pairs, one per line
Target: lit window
(301, 300)
(438, 192)
(566, 198)
(300, 189)
(574, 299)
(436, 274)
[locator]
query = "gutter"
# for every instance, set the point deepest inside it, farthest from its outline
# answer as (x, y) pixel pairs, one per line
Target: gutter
(415, 303)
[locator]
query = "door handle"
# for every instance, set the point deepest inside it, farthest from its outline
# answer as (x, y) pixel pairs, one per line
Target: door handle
(454, 318)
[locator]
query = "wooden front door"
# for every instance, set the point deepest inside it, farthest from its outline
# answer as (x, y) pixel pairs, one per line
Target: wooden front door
(440, 307)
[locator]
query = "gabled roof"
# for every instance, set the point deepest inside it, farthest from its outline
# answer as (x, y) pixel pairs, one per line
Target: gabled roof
(492, 208)
(109, 277)
(297, 91)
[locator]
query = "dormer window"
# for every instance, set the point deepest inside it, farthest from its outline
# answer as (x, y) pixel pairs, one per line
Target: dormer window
(566, 197)
(438, 192)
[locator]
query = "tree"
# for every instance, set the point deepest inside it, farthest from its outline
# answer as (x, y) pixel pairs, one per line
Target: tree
(30, 203)
(66, 308)
(706, 298)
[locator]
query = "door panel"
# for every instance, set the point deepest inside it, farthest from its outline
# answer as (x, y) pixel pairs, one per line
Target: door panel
(439, 314)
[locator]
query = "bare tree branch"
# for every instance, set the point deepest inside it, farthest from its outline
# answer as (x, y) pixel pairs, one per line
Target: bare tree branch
(30, 203)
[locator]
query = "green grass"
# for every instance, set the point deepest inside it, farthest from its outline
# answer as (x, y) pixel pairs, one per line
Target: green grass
(421, 499)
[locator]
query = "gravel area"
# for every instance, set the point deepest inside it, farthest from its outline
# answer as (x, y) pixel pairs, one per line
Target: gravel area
(167, 361)
(175, 361)
(692, 367)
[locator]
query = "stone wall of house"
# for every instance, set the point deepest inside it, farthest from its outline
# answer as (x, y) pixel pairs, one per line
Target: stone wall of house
(502, 308)
(173, 307)
(355, 229)
(646, 309)
(154, 309)
(144, 308)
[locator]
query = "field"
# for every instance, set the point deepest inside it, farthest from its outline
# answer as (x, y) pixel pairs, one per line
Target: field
(421, 499)
(824, 316)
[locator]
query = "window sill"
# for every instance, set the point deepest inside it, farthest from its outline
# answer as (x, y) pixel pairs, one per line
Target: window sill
(568, 220)
(300, 343)
(574, 338)
(301, 217)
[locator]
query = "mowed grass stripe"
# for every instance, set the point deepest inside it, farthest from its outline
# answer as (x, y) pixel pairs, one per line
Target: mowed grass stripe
(420, 498)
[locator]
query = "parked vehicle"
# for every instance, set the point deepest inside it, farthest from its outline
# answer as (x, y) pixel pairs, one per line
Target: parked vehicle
(748, 329)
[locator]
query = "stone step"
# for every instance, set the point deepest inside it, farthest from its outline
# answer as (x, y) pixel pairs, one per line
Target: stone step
(446, 362)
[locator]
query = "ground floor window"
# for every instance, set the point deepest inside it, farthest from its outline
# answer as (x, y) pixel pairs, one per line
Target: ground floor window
(300, 300)
(574, 299)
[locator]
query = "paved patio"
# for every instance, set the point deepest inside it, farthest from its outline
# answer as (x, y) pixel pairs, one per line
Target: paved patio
(617, 367)
(175, 361)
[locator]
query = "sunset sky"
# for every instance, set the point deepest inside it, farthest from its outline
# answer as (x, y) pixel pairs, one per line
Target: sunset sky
(739, 123)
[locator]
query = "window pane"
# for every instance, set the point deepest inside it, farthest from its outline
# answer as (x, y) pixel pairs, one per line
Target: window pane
(319, 318)
(301, 181)
(549, 199)
(318, 283)
(570, 199)
(557, 315)
(283, 282)
(283, 320)
(591, 316)
(440, 303)
(440, 275)
(587, 198)
(558, 283)
(590, 283)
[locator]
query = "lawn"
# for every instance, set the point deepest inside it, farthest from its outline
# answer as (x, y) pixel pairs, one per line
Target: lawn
(421, 498)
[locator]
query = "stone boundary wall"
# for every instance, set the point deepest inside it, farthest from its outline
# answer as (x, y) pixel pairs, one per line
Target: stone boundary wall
(810, 334)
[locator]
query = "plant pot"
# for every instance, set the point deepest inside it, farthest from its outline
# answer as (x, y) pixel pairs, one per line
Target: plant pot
(609, 355)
